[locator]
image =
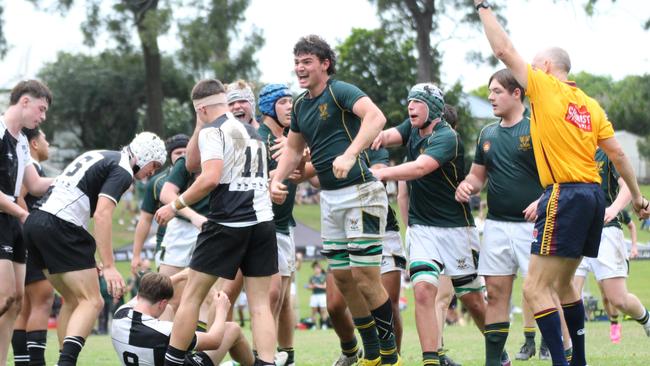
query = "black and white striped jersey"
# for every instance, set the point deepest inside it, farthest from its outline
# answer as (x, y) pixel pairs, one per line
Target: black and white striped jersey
(74, 194)
(140, 339)
(14, 158)
(242, 196)
(30, 200)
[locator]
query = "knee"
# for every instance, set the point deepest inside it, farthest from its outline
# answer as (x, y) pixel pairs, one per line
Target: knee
(425, 294)
(618, 301)
(8, 301)
(274, 297)
(97, 302)
(336, 306)
(530, 291)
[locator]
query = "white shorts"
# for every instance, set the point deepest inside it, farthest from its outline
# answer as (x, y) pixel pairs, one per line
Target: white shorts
(353, 221)
(450, 246)
(393, 257)
(612, 257)
(178, 243)
(318, 301)
(286, 253)
(505, 248)
(357, 211)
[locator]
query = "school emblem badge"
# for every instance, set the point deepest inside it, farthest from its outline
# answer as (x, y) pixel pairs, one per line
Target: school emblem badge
(354, 224)
(323, 111)
(524, 143)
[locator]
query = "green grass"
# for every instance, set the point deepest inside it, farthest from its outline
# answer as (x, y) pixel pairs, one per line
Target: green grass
(316, 348)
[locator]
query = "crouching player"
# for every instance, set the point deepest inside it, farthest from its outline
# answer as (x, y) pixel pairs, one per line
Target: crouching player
(141, 333)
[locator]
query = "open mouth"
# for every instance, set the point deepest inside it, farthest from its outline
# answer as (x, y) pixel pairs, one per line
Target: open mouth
(239, 114)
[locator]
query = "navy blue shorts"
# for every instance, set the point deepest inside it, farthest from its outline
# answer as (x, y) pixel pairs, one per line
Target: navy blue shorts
(569, 220)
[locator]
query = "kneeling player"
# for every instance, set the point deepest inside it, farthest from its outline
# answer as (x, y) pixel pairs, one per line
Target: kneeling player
(141, 335)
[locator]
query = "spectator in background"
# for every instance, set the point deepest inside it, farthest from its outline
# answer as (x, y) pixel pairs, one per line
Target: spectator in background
(318, 299)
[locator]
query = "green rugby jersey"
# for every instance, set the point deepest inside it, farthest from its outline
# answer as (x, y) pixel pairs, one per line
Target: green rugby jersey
(151, 200)
(282, 214)
(431, 198)
(181, 178)
(328, 125)
(609, 183)
(381, 157)
(512, 179)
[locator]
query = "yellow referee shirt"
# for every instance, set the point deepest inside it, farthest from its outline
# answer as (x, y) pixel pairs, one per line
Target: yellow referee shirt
(565, 128)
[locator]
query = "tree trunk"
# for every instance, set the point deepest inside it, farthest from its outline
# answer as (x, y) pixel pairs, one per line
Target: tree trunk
(422, 21)
(153, 87)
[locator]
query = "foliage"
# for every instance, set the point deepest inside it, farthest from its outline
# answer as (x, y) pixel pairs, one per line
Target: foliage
(424, 17)
(381, 66)
(178, 117)
(4, 47)
(590, 8)
(209, 37)
(97, 97)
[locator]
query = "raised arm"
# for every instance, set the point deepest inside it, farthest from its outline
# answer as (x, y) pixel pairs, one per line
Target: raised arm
(502, 46)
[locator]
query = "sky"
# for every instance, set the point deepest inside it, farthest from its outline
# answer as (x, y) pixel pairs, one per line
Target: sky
(610, 43)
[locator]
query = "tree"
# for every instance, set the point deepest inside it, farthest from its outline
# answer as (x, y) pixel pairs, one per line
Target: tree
(385, 68)
(381, 66)
(149, 21)
(207, 41)
(3, 41)
(423, 17)
(97, 97)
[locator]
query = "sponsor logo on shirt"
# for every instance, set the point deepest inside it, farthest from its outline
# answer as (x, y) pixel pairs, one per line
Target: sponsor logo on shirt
(323, 111)
(486, 146)
(579, 117)
(524, 143)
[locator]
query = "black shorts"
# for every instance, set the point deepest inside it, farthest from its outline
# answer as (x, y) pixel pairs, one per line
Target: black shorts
(11, 239)
(33, 273)
(569, 220)
(58, 245)
(221, 250)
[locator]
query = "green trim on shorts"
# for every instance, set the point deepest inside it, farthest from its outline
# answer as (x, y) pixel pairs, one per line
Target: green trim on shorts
(365, 264)
(468, 289)
(334, 242)
(366, 241)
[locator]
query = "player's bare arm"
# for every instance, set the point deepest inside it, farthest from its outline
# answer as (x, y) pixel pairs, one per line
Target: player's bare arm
(472, 184)
(103, 237)
(622, 199)
(212, 339)
(372, 122)
(387, 138)
(35, 184)
(169, 194)
(502, 46)
(13, 209)
(141, 232)
(289, 160)
(422, 166)
(615, 153)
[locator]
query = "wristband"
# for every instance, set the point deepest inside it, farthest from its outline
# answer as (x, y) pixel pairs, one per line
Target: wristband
(182, 200)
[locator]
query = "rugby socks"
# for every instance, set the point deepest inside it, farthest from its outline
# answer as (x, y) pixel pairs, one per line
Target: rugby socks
(368, 331)
(529, 334)
(174, 356)
(72, 345)
(430, 359)
(496, 335)
(290, 351)
(644, 319)
(199, 359)
(351, 348)
(385, 331)
(548, 322)
(568, 354)
(613, 319)
(36, 341)
(574, 316)
(19, 345)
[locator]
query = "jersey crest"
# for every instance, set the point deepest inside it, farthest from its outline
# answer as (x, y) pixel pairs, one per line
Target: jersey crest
(323, 111)
(525, 143)
(579, 117)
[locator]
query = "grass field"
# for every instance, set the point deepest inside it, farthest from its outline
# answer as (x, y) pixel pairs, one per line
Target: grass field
(465, 344)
